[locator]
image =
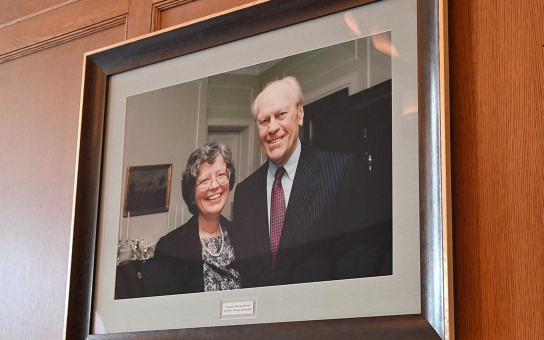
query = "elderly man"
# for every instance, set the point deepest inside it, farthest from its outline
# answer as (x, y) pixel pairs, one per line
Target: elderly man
(297, 218)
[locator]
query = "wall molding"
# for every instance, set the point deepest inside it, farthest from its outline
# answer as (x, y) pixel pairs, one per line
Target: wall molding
(159, 7)
(58, 24)
(101, 26)
(35, 14)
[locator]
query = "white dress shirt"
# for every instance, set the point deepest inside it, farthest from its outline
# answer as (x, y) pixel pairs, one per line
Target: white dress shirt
(286, 181)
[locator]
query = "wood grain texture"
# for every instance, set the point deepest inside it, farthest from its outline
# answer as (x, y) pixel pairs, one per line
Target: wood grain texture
(69, 36)
(11, 11)
(139, 18)
(40, 96)
(159, 7)
(497, 72)
(58, 23)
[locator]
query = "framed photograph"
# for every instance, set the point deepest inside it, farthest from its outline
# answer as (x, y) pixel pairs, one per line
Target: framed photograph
(373, 77)
(147, 189)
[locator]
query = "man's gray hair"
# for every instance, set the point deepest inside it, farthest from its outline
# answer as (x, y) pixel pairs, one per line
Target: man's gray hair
(293, 84)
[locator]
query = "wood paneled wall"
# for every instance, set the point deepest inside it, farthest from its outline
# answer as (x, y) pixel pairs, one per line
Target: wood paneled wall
(497, 137)
(496, 82)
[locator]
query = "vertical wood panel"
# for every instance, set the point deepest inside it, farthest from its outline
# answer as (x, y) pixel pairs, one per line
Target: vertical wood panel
(139, 18)
(40, 96)
(497, 120)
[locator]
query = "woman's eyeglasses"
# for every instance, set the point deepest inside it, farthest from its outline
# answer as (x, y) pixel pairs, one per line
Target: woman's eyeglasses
(221, 177)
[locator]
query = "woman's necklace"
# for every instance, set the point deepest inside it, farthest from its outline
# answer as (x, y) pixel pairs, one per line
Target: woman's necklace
(220, 249)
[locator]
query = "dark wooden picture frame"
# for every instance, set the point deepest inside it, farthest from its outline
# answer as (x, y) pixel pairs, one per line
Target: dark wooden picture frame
(150, 197)
(431, 323)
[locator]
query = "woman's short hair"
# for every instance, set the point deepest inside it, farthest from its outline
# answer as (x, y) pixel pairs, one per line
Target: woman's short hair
(294, 86)
(207, 153)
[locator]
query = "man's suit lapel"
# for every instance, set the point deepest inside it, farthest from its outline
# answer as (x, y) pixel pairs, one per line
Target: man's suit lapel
(302, 194)
(261, 213)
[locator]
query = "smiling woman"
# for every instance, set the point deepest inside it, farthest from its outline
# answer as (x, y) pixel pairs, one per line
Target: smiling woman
(212, 193)
(197, 256)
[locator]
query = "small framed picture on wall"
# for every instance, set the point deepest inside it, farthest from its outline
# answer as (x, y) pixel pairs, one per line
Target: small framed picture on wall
(147, 189)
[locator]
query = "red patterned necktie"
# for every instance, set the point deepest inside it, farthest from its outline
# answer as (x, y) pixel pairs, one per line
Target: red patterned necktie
(277, 213)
